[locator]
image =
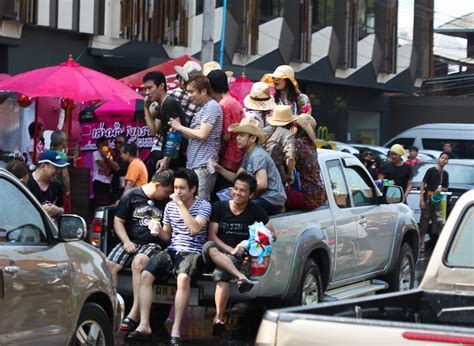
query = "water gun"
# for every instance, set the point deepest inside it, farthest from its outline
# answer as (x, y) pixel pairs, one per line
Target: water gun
(107, 152)
(259, 243)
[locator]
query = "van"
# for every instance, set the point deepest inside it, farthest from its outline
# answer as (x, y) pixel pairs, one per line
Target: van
(433, 137)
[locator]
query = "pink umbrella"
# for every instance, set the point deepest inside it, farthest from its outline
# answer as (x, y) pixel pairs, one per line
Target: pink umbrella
(240, 87)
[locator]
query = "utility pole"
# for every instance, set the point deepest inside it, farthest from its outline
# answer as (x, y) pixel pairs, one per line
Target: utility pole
(207, 46)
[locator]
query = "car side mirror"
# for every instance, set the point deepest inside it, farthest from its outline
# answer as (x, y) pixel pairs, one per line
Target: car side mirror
(72, 228)
(393, 194)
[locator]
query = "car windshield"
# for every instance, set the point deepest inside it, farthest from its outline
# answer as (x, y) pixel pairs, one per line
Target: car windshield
(458, 174)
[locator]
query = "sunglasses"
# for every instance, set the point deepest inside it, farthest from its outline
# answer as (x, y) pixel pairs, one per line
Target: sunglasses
(368, 154)
(119, 142)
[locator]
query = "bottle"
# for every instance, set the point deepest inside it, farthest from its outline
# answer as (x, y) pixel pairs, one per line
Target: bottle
(296, 183)
(172, 145)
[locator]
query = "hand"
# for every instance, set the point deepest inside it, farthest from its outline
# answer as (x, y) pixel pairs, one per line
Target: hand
(175, 124)
(422, 204)
(154, 109)
(130, 247)
(154, 226)
(290, 179)
(163, 164)
(237, 250)
(147, 101)
(175, 198)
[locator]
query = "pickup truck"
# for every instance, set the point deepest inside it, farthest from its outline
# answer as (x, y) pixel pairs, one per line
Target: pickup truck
(361, 241)
(441, 310)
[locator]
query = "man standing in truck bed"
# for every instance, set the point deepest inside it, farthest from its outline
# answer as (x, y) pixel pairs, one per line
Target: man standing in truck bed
(136, 210)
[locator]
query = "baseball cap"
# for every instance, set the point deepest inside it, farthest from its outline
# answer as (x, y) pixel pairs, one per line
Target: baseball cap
(53, 158)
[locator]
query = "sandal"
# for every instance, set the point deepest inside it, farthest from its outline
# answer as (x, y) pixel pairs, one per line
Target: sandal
(218, 328)
(128, 325)
(175, 341)
(245, 285)
(138, 336)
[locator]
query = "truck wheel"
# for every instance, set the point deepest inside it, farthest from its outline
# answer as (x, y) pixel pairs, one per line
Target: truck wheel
(402, 278)
(94, 327)
(310, 288)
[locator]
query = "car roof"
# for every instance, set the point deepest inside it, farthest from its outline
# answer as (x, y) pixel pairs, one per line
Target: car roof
(460, 162)
(328, 154)
(444, 126)
(372, 147)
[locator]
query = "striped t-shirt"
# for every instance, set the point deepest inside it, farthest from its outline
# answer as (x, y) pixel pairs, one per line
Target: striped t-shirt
(181, 238)
(199, 152)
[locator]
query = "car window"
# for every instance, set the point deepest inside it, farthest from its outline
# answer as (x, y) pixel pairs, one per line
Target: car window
(460, 250)
(338, 184)
(20, 221)
(463, 149)
(362, 191)
(458, 174)
(406, 142)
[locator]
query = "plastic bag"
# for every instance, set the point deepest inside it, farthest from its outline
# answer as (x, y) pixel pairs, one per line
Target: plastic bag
(259, 243)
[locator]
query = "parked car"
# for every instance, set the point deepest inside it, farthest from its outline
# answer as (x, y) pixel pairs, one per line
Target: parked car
(461, 179)
(433, 137)
(346, 148)
(440, 311)
(352, 245)
(427, 155)
(378, 153)
(55, 289)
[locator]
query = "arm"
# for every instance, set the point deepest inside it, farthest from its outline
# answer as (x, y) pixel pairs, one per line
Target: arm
(66, 180)
(150, 119)
(121, 232)
(195, 225)
(110, 162)
(165, 235)
(409, 187)
(228, 175)
(262, 182)
(212, 235)
(269, 225)
(200, 134)
(422, 194)
(291, 163)
(129, 185)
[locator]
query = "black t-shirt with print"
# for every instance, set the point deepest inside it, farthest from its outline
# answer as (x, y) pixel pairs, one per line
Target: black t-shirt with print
(400, 174)
(137, 210)
(235, 228)
(433, 179)
(53, 195)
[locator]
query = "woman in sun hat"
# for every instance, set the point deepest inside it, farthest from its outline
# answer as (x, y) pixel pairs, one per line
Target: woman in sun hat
(312, 194)
(287, 89)
(259, 103)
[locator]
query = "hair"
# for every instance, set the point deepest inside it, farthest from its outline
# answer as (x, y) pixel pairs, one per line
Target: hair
(57, 138)
(190, 177)
(249, 180)
(444, 153)
(156, 77)
(31, 128)
(122, 135)
(200, 82)
(413, 148)
(101, 140)
(164, 177)
(218, 80)
(130, 148)
(18, 168)
(447, 143)
(292, 94)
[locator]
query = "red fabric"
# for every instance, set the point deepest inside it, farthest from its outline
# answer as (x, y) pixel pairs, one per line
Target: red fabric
(231, 156)
(67, 204)
(294, 200)
(69, 80)
(136, 80)
(239, 88)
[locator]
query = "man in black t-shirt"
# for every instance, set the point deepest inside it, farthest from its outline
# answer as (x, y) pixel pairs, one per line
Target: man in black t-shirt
(137, 221)
(230, 221)
(160, 108)
(397, 170)
(436, 179)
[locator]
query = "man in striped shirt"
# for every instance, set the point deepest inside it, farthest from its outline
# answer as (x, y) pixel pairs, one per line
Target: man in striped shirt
(185, 223)
(204, 133)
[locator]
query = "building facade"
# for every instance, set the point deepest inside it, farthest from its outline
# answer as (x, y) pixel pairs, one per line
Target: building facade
(347, 54)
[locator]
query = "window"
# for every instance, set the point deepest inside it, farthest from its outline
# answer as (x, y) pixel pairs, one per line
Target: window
(322, 14)
(200, 5)
(338, 184)
(460, 249)
(361, 190)
(271, 9)
(20, 221)
(366, 17)
(462, 149)
(406, 142)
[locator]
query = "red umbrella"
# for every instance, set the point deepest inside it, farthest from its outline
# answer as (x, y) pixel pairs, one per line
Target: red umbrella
(71, 81)
(240, 87)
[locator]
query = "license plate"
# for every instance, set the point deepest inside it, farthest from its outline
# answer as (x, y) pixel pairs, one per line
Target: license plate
(165, 295)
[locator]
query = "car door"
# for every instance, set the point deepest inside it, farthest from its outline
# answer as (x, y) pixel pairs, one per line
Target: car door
(375, 223)
(346, 223)
(33, 272)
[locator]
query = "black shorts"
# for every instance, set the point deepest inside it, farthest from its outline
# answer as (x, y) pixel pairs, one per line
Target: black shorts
(219, 274)
(122, 257)
(168, 262)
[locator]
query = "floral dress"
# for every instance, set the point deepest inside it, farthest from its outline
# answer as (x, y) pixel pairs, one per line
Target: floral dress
(302, 104)
(309, 171)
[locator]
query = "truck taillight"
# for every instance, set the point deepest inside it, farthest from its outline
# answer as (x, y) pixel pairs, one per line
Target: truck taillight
(96, 232)
(257, 269)
(444, 338)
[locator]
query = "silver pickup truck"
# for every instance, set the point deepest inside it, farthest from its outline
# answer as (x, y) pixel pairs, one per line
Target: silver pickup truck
(359, 242)
(440, 311)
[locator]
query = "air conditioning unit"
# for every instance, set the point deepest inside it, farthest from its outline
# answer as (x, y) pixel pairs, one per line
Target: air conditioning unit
(9, 9)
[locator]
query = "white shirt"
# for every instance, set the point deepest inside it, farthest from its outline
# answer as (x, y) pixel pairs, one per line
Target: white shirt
(100, 174)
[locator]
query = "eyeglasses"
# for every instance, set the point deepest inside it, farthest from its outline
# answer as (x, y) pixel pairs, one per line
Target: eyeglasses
(119, 142)
(368, 154)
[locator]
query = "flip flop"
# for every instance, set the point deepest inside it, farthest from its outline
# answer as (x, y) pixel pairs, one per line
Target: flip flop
(128, 325)
(245, 285)
(138, 336)
(218, 329)
(175, 341)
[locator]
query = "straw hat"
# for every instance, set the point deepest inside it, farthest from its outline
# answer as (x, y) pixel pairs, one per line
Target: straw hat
(189, 68)
(249, 126)
(308, 124)
(259, 98)
(282, 115)
(283, 72)
(397, 149)
(209, 66)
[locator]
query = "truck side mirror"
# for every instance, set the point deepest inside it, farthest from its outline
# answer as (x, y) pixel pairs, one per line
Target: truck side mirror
(393, 194)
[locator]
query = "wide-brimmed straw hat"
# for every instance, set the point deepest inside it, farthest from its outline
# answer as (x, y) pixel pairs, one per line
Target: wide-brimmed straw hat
(259, 98)
(308, 124)
(188, 69)
(249, 126)
(210, 66)
(282, 115)
(282, 72)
